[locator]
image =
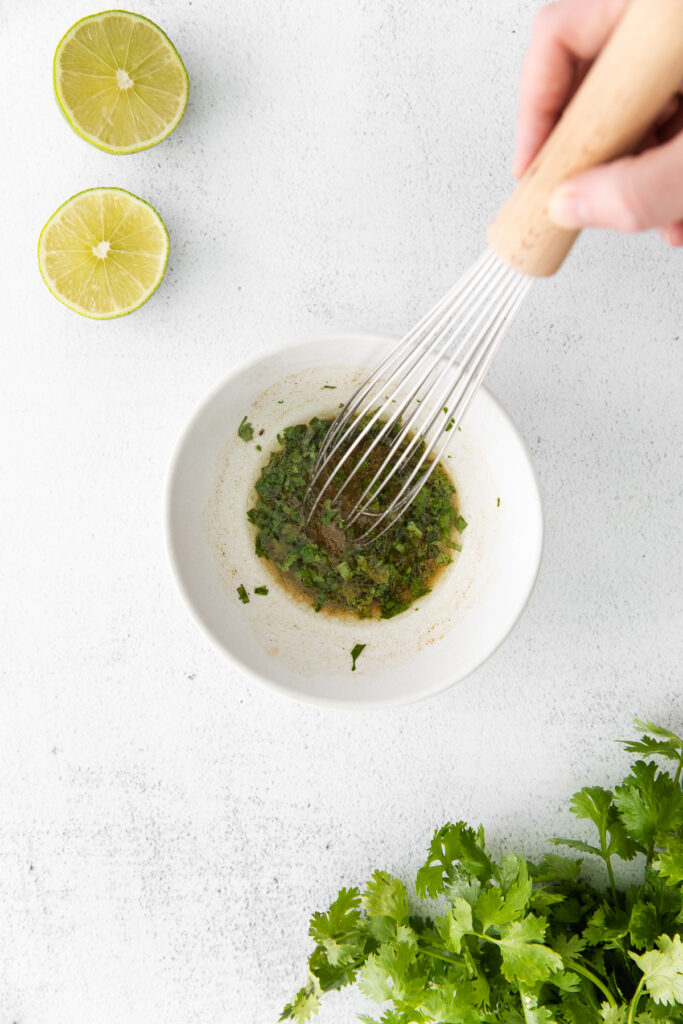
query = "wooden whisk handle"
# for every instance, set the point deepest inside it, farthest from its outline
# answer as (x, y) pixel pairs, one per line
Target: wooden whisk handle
(638, 70)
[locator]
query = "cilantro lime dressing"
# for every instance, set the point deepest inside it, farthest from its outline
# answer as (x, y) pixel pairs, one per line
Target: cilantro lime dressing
(323, 566)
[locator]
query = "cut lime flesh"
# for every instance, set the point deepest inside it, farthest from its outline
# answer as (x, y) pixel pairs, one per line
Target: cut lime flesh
(120, 81)
(103, 252)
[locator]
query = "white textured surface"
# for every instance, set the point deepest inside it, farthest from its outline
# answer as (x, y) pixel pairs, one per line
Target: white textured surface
(166, 827)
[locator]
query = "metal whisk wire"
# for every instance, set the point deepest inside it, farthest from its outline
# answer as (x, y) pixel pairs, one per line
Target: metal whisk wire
(426, 384)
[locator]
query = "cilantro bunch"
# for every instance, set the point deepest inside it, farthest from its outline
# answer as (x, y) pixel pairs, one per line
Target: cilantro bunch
(523, 943)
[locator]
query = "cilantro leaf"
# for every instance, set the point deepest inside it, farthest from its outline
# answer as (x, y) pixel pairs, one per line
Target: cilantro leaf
(568, 946)
(663, 970)
(305, 1004)
(613, 1014)
(355, 655)
(667, 744)
(643, 925)
(456, 1003)
(596, 804)
(555, 868)
(512, 872)
(335, 931)
(669, 862)
(620, 842)
(533, 1013)
(606, 925)
(385, 896)
(495, 907)
(334, 976)
(392, 972)
(455, 924)
(491, 910)
(245, 430)
(454, 849)
(592, 802)
(650, 803)
(526, 960)
(342, 917)
(375, 981)
(577, 844)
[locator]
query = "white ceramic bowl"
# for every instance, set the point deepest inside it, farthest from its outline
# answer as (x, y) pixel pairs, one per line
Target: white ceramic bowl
(281, 641)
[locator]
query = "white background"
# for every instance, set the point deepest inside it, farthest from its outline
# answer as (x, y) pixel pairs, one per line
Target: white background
(166, 827)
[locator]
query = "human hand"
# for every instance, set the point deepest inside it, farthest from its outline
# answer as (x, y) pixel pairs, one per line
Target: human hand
(630, 194)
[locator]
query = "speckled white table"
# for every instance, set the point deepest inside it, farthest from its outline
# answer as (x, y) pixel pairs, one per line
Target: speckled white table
(166, 826)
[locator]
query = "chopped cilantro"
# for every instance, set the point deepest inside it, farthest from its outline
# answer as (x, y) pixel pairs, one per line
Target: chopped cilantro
(381, 579)
(498, 505)
(245, 430)
(242, 593)
(513, 941)
(259, 448)
(450, 424)
(261, 590)
(460, 523)
(280, 401)
(329, 387)
(355, 655)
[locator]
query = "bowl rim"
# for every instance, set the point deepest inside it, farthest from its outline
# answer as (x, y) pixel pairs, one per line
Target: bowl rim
(217, 642)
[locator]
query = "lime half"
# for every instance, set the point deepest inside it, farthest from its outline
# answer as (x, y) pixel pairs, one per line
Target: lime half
(103, 252)
(120, 81)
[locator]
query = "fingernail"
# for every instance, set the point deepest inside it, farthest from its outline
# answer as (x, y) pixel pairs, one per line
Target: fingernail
(567, 208)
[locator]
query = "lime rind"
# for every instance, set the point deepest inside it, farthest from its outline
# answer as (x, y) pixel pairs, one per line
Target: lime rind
(64, 107)
(74, 306)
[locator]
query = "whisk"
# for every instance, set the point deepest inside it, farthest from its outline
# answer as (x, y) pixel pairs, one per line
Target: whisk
(413, 402)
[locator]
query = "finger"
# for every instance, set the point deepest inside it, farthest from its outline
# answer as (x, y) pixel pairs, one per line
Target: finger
(669, 110)
(631, 194)
(673, 123)
(673, 234)
(565, 35)
(669, 123)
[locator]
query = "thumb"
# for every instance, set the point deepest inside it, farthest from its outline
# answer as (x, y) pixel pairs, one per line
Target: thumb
(631, 194)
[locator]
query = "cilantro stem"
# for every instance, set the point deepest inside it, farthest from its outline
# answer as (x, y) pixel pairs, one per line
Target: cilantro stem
(608, 861)
(440, 956)
(529, 1005)
(678, 770)
(580, 969)
(634, 1002)
(613, 884)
